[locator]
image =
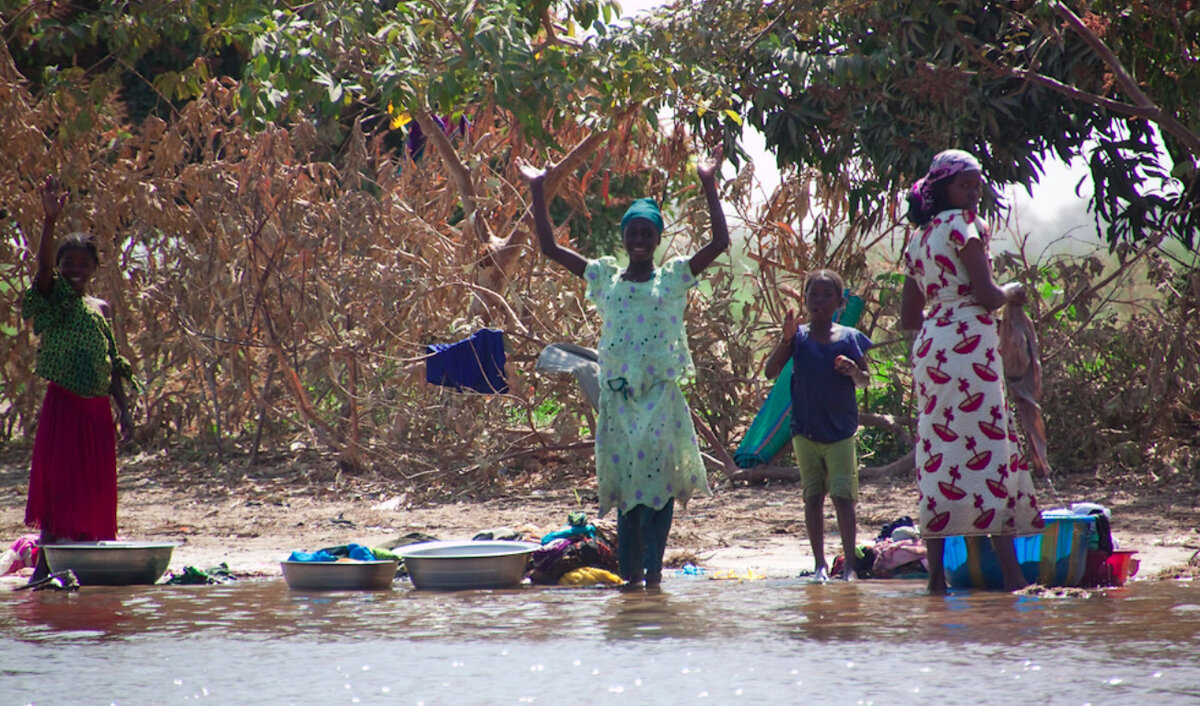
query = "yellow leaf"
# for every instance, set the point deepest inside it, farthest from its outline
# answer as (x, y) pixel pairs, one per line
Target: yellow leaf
(732, 114)
(400, 120)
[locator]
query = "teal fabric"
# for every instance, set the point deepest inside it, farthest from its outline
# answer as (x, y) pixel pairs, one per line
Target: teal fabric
(643, 208)
(320, 555)
(570, 532)
(772, 426)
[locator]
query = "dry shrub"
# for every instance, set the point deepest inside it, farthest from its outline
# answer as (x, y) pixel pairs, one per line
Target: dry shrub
(277, 294)
(1121, 359)
(277, 290)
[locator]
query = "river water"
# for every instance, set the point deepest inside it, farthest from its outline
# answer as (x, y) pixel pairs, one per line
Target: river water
(698, 641)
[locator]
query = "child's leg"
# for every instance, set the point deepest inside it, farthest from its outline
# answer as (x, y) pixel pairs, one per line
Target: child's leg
(847, 528)
(631, 543)
(813, 488)
(841, 460)
(656, 529)
(814, 524)
(1010, 568)
(935, 549)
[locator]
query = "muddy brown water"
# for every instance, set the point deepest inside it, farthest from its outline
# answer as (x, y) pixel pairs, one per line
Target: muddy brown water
(697, 641)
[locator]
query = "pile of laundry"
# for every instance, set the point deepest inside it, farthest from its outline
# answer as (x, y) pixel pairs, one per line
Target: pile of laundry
(21, 554)
(897, 552)
(579, 554)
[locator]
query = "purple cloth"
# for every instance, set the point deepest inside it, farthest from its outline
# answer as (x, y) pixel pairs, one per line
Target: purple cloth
(824, 408)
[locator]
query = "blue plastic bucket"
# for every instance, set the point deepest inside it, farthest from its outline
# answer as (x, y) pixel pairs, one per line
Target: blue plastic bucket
(1055, 557)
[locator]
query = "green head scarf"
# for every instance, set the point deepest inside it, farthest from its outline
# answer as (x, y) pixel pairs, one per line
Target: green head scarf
(643, 208)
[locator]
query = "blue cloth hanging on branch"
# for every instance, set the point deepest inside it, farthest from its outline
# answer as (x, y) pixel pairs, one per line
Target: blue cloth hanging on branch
(475, 363)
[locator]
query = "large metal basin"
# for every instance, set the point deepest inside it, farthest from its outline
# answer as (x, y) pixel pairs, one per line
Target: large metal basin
(339, 575)
(110, 563)
(456, 566)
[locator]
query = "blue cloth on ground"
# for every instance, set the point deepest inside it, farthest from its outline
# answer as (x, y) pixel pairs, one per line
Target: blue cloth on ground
(475, 363)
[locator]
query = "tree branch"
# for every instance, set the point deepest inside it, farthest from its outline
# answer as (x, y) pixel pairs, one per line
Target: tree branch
(1167, 121)
(472, 226)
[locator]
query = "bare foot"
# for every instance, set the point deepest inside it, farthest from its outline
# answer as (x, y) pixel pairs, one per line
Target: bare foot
(821, 575)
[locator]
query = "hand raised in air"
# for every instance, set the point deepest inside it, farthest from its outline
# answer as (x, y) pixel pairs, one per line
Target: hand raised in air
(54, 197)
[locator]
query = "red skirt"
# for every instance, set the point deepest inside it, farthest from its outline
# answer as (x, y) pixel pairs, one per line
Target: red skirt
(73, 479)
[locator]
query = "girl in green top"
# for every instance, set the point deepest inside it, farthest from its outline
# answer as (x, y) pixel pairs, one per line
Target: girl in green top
(73, 476)
(646, 449)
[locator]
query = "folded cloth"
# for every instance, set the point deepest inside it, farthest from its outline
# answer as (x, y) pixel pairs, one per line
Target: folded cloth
(891, 555)
(382, 554)
(475, 363)
(570, 532)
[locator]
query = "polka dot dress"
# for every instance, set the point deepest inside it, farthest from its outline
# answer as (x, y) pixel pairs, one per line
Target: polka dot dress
(646, 448)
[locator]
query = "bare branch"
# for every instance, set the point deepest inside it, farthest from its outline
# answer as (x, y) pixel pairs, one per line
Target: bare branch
(473, 227)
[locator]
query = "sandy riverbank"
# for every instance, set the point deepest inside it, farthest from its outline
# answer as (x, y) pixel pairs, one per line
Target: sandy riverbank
(252, 521)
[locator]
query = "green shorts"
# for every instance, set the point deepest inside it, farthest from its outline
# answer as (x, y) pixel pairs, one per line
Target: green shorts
(827, 469)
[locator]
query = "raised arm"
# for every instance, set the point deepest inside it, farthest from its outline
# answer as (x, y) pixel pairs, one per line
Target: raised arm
(783, 349)
(566, 257)
(53, 201)
(707, 171)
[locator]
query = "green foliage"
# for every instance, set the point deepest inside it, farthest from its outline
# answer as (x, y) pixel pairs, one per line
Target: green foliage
(866, 92)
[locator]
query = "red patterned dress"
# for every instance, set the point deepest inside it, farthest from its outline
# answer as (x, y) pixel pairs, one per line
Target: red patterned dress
(971, 471)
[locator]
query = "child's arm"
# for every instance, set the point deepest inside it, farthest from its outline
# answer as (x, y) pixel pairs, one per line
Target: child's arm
(856, 371)
(707, 171)
(566, 257)
(53, 200)
(783, 349)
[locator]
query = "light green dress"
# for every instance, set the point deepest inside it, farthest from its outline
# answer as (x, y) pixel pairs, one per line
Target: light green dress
(646, 449)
